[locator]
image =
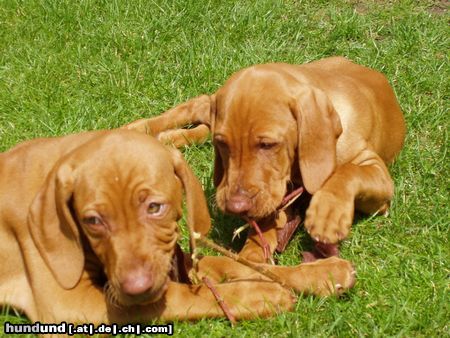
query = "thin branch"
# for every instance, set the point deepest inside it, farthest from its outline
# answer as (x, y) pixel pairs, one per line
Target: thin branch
(257, 267)
(220, 301)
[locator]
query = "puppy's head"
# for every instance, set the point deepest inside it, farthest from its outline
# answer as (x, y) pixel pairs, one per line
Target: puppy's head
(269, 131)
(117, 197)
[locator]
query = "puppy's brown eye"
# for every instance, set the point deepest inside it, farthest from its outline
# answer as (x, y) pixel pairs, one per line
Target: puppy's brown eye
(92, 220)
(154, 208)
(94, 225)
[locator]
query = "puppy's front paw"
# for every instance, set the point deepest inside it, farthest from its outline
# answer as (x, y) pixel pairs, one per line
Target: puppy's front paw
(276, 298)
(329, 216)
(138, 125)
(263, 299)
(330, 276)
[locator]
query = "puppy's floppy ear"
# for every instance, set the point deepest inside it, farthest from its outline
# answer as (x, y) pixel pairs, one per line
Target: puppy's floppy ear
(319, 127)
(218, 161)
(198, 218)
(53, 229)
(218, 168)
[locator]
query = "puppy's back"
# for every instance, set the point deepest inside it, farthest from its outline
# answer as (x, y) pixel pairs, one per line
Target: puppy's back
(369, 82)
(24, 168)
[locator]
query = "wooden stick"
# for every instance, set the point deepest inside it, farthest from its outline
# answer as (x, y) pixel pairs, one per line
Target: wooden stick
(220, 301)
(290, 198)
(264, 244)
(257, 267)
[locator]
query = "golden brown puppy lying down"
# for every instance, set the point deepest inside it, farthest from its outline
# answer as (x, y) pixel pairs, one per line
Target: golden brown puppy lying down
(88, 228)
(329, 125)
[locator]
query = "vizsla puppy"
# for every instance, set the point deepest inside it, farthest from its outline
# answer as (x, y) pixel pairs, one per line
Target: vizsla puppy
(330, 126)
(89, 230)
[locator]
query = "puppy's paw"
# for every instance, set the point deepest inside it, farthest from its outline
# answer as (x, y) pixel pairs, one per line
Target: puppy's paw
(330, 276)
(140, 126)
(277, 298)
(259, 299)
(329, 216)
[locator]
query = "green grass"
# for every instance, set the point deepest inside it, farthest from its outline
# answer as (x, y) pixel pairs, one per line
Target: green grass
(68, 66)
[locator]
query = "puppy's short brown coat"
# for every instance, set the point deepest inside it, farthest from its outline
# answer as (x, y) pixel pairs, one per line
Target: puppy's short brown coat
(88, 228)
(329, 125)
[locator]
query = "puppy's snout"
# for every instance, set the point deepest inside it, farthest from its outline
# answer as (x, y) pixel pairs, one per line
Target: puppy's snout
(136, 283)
(238, 204)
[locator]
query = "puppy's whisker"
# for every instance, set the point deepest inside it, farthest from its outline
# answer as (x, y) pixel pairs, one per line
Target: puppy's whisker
(110, 295)
(212, 199)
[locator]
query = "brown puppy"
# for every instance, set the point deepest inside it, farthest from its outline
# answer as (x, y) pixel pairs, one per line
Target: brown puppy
(330, 125)
(89, 229)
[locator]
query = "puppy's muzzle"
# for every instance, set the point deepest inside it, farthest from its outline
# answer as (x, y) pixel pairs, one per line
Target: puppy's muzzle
(136, 283)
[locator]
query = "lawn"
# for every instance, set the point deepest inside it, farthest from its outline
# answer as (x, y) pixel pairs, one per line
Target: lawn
(69, 66)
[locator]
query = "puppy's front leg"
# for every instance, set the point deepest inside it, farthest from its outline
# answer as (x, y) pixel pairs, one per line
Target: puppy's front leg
(246, 300)
(323, 277)
(181, 137)
(253, 248)
(194, 111)
(365, 182)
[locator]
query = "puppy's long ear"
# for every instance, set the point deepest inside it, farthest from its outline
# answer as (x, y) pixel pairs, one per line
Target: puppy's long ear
(198, 218)
(54, 230)
(218, 168)
(218, 161)
(319, 127)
